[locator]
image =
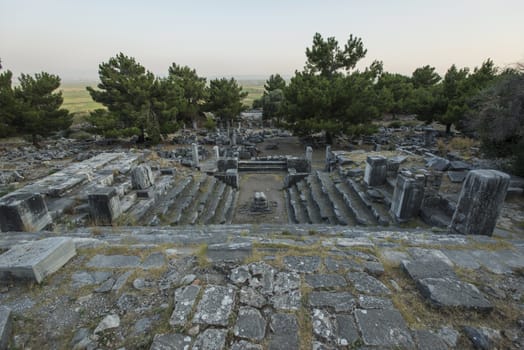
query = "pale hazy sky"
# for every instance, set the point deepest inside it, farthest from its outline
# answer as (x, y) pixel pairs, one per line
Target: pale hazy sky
(253, 38)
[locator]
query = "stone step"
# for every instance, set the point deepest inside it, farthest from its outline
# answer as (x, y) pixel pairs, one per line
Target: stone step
(343, 214)
(230, 206)
(141, 208)
(379, 212)
(174, 195)
(298, 212)
(362, 213)
(203, 201)
(312, 209)
(196, 207)
(223, 206)
(289, 210)
(325, 208)
(186, 199)
(254, 165)
(127, 201)
(220, 215)
(211, 209)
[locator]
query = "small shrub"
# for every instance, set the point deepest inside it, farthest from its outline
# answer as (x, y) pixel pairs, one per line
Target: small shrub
(395, 124)
(461, 144)
(210, 124)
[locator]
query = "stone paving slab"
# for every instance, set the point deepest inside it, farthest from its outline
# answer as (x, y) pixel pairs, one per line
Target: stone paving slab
(371, 302)
(245, 345)
(114, 261)
(339, 301)
(384, 327)
(307, 264)
(346, 330)
(367, 284)
(211, 339)
(325, 281)
(250, 324)
(185, 298)
(417, 269)
(451, 292)
(35, 260)
(215, 306)
(427, 340)
(462, 258)
(174, 341)
(334, 265)
(284, 332)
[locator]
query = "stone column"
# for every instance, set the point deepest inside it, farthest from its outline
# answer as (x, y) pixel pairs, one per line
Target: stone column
(480, 202)
(23, 212)
(309, 158)
(309, 154)
(429, 134)
(407, 196)
(328, 157)
(104, 206)
(217, 152)
(376, 171)
(194, 149)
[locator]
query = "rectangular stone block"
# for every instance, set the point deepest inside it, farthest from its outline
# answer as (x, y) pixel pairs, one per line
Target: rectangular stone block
(301, 165)
(376, 171)
(104, 205)
(407, 196)
(226, 164)
(480, 202)
(23, 211)
(5, 326)
(36, 260)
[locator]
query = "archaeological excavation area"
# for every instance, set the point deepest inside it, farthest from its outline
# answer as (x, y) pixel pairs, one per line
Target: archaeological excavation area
(250, 239)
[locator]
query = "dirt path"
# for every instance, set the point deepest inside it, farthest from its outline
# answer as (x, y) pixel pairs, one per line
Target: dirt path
(271, 185)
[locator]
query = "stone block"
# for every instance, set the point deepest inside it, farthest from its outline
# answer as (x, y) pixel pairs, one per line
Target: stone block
(480, 202)
(230, 177)
(142, 177)
(438, 163)
(5, 326)
(407, 196)
(35, 260)
(225, 164)
(104, 205)
(301, 165)
(23, 211)
(376, 170)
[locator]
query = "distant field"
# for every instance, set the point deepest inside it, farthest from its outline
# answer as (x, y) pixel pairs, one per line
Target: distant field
(255, 88)
(77, 99)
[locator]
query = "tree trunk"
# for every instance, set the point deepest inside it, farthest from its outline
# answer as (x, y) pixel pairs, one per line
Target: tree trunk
(448, 129)
(142, 136)
(329, 138)
(34, 139)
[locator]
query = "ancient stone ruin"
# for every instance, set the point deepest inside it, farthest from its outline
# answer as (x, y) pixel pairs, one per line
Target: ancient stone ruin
(216, 244)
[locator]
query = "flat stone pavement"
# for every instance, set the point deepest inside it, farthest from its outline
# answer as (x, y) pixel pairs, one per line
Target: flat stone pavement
(273, 287)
